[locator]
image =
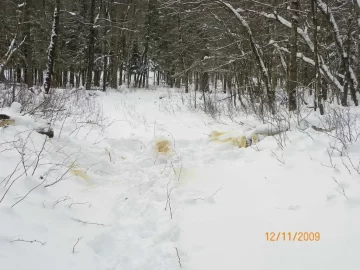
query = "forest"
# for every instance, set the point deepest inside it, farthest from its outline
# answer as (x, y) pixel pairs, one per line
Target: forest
(256, 50)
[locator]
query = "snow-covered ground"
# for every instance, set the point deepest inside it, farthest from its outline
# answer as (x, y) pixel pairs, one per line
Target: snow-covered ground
(207, 205)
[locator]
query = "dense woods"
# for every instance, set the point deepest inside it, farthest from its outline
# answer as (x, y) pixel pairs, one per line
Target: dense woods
(265, 52)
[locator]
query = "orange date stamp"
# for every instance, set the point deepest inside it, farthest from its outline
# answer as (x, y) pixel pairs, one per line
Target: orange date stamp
(292, 236)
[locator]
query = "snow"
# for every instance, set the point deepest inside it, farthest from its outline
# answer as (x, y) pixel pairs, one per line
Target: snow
(15, 107)
(111, 210)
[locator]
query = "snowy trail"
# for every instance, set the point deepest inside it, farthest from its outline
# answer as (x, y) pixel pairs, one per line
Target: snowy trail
(254, 193)
(223, 199)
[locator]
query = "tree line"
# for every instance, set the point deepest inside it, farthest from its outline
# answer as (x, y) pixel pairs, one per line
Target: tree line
(251, 49)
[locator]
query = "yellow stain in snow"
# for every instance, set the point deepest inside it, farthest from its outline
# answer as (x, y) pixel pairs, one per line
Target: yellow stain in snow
(79, 172)
(186, 175)
(163, 146)
(6, 122)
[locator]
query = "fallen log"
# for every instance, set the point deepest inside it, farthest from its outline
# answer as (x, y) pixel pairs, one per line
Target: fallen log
(319, 129)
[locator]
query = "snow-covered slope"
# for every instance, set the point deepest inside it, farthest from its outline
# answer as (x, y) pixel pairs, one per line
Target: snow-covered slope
(205, 205)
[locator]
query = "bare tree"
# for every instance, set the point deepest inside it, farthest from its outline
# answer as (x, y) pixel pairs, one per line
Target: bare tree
(293, 74)
(52, 47)
(91, 46)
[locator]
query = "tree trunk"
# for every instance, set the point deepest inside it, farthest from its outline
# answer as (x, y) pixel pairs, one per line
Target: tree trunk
(204, 82)
(65, 78)
(293, 70)
(91, 47)
(18, 75)
(224, 83)
(186, 81)
(343, 52)
(113, 65)
(319, 99)
(120, 74)
(97, 77)
(105, 50)
(72, 77)
(29, 74)
(52, 47)
(349, 83)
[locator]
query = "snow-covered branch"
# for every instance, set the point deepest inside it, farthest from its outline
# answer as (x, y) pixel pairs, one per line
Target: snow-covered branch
(323, 68)
(302, 33)
(325, 9)
(255, 48)
(10, 52)
(306, 38)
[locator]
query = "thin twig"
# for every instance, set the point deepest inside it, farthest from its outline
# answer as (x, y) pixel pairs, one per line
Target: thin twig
(77, 242)
(62, 176)
(278, 159)
(7, 190)
(29, 241)
(79, 203)
(177, 253)
(39, 155)
(342, 190)
(62, 199)
(210, 196)
(216, 192)
(23, 198)
(88, 223)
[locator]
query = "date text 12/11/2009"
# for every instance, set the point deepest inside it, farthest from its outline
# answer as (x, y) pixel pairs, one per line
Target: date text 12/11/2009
(293, 236)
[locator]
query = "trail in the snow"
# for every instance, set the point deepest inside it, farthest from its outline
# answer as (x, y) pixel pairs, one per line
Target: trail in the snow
(207, 205)
(227, 199)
